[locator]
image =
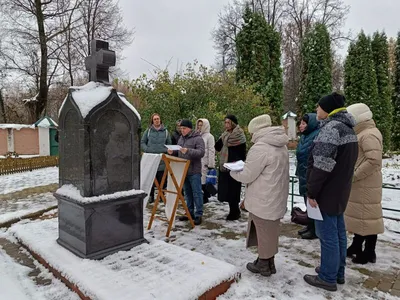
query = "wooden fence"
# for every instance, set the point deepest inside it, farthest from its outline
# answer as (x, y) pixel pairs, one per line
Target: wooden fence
(16, 165)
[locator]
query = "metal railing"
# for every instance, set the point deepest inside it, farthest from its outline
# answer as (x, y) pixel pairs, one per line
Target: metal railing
(388, 186)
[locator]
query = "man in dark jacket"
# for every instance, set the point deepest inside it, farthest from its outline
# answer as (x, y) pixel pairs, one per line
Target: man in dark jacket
(329, 178)
(154, 140)
(309, 130)
(192, 149)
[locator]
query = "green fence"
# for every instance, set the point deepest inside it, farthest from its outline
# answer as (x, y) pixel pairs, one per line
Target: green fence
(388, 186)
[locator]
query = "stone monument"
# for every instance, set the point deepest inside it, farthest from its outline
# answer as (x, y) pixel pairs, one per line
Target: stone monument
(100, 204)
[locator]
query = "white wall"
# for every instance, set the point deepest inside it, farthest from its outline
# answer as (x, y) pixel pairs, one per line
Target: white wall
(44, 141)
(292, 128)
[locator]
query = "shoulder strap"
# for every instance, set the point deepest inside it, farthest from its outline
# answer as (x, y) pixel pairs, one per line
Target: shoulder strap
(166, 133)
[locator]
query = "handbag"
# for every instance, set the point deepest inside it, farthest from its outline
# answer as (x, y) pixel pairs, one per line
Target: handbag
(211, 176)
(211, 182)
(299, 217)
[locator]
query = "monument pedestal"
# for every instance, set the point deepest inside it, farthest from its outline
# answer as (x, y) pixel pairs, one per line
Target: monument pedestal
(95, 230)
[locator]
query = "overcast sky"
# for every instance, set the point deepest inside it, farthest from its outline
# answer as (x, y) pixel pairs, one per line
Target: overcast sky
(181, 29)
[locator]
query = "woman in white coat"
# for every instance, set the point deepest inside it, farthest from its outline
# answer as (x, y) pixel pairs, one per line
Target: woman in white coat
(208, 160)
(266, 175)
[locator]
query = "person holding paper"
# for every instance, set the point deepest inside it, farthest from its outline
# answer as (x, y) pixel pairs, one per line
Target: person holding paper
(363, 215)
(309, 130)
(192, 148)
(266, 175)
(154, 139)
(232, 147)
(329, 177)
(208, 160)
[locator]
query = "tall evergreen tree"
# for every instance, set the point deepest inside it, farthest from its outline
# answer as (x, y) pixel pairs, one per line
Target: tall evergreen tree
(396, 99)
(316, 79)
(2, 111)
(360, 85)
(383, 111)
(259, 60)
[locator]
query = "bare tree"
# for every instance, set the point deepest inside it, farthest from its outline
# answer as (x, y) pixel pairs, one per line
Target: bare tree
(230, 22)
(33, 25)
(292, 18)
(96, 19)
(337, 72)
(300, 17)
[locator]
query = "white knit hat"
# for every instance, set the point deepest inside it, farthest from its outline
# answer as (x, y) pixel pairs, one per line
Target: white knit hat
(259, 122)
(360, 112)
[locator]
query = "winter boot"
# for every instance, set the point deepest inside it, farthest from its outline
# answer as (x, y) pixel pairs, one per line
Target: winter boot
(368, 255)
(319, 283)
(185, 218)
(310, 233)
(303, 230)
(272, 265)
(338, 280)
(234, 212)
(261, 266)
(198, 220)
(356, 246)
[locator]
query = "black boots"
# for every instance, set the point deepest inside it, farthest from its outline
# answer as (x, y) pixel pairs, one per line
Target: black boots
(308, 233)
(368, 255)
(272, 265)
(356, 246)
(265, 267)
(303, 230)
(234, 212)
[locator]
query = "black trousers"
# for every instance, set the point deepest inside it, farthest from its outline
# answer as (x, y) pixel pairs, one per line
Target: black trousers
(159, 176)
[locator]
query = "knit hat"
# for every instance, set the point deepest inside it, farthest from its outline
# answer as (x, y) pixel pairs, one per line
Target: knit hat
(232, 118)
(331, 102)
(360, 112)
(259, 122)
(186, 123)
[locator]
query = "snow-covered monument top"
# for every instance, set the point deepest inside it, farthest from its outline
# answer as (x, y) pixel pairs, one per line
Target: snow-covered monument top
(100, 133)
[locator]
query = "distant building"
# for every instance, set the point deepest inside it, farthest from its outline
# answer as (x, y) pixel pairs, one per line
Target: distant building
(35, 139)
(289, 122)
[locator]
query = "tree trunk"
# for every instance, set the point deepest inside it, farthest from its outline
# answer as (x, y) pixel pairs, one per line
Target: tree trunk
(2, 110)
(41, 101)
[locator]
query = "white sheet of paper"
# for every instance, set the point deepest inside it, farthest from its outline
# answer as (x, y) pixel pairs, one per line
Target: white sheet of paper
(173, 147)
(314, 213)
(235, 166)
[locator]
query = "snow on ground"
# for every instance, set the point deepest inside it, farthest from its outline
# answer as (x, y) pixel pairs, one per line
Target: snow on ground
(225, 241)
(149, 271)
(18, 181)
(15, 283)
(13, 209)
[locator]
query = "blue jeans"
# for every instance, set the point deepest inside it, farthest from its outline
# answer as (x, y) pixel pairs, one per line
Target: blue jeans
(332, 234)
(194, 194)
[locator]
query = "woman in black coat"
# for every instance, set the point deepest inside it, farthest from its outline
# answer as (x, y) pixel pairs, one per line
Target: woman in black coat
(232, 147)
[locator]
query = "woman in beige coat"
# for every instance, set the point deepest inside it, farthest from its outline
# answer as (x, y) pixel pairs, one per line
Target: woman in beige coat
(266, 175)
(363, 215)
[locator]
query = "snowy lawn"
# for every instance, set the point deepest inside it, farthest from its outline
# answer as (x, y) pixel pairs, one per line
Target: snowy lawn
(18, 181)
(149, 271)
(14, 209)
(16, 284)
(225, 241)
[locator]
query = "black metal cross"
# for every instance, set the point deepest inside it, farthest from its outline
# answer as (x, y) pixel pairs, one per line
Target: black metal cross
(99, 61)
